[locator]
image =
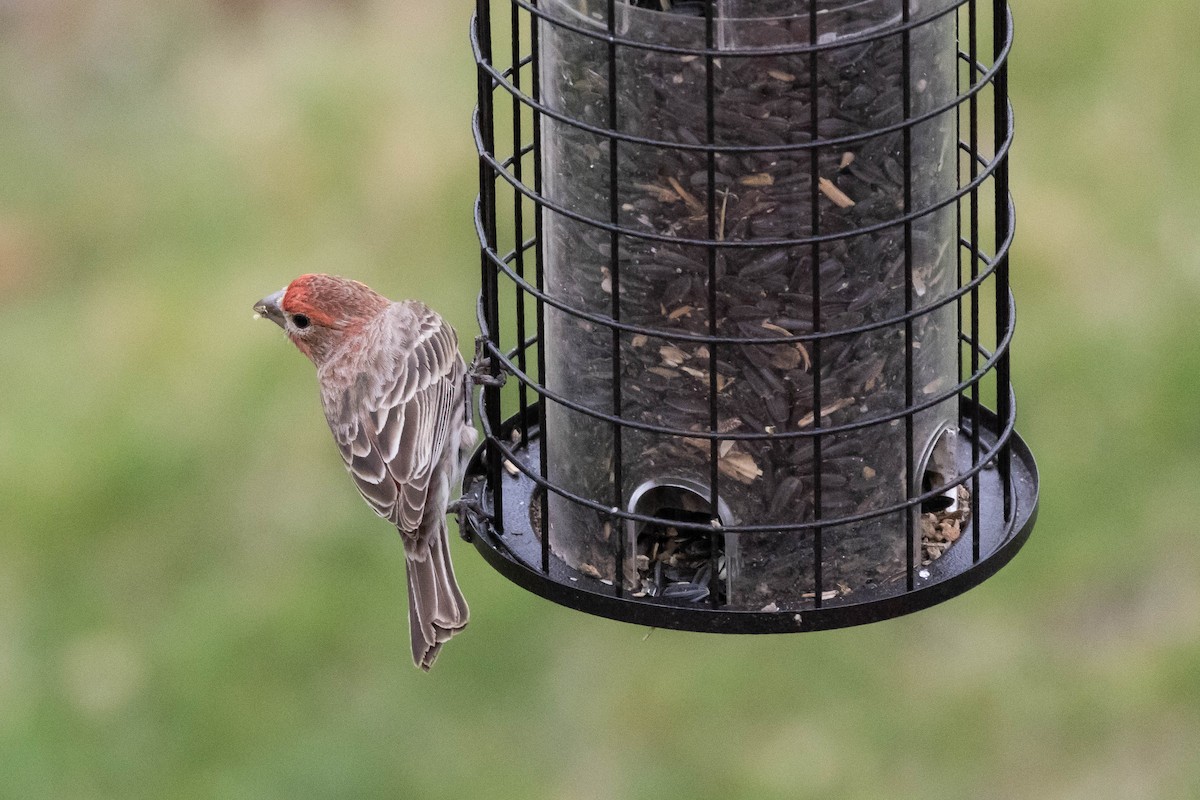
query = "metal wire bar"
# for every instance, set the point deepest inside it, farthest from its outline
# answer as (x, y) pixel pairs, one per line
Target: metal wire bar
(565, 402)
(985, 367)
(910, 463)
(507, 72)
(782, 528)
(481, 31)
(710, 133)
(958, 209)
(832, 142)
(681, 336)
(524, 151)
(1001, 42)
(773, 50)
(731, 243)
(540, 268)
(518, 211)
(973, 134)
(814, 168)
(614, 268)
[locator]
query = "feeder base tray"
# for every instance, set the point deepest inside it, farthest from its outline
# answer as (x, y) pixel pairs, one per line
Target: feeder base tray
(517, 552)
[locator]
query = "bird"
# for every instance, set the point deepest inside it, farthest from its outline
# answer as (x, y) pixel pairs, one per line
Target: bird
(396, 394)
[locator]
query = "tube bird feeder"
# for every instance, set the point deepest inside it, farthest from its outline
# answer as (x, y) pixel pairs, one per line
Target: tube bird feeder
(745, 263)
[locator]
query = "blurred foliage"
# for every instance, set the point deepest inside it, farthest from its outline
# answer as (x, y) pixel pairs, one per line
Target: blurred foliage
(195, 604)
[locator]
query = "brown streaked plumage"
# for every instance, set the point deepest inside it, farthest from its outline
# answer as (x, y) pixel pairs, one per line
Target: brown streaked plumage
(393, 390)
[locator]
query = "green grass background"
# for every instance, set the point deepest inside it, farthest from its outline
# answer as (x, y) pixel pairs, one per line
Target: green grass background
(195, 604)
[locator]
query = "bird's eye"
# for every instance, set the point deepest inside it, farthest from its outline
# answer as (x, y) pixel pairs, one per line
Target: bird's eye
(300, 321)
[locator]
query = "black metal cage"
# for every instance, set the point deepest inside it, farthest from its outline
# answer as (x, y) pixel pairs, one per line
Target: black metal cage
(745, 266)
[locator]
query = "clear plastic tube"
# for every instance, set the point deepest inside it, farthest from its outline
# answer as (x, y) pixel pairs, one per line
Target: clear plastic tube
(663, 193)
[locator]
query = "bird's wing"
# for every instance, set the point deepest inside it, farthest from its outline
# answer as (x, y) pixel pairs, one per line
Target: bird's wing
(393, 420)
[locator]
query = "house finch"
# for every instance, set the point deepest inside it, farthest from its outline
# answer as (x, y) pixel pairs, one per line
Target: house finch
(392, 385)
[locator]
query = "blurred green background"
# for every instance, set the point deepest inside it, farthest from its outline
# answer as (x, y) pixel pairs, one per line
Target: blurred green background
(195, 604)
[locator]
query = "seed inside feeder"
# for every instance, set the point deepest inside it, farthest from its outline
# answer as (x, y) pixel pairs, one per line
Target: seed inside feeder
(761, 291)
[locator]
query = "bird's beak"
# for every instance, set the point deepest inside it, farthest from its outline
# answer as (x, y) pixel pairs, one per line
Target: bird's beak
(269, 307)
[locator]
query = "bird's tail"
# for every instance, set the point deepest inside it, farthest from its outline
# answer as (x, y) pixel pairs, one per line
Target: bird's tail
(436, 608)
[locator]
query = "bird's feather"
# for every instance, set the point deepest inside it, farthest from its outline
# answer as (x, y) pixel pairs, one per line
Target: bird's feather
(392, 413)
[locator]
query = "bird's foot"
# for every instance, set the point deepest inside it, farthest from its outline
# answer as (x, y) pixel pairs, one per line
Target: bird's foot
(470, 513)
(481, 371)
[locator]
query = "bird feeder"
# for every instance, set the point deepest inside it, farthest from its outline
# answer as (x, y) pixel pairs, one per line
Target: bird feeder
(745, 264)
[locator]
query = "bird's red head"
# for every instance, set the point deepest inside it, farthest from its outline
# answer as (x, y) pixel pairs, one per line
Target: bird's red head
(317, 311)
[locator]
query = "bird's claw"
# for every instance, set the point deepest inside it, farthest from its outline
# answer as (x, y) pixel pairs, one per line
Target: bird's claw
(471, 516)
(495, 381)
(481, 372)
